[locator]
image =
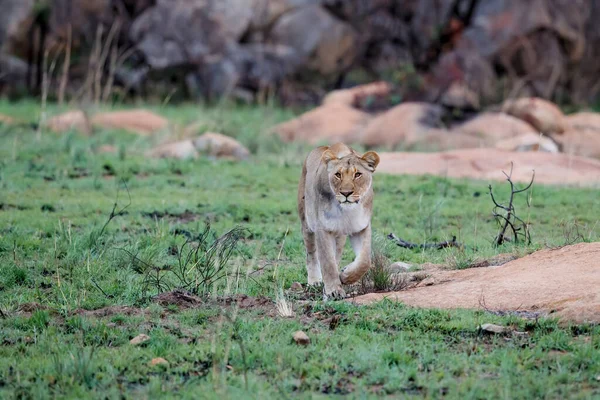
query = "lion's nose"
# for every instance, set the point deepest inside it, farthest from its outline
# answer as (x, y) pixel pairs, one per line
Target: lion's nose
(347, 193)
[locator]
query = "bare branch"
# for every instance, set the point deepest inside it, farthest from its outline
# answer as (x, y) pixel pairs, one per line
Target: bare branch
(408, 245)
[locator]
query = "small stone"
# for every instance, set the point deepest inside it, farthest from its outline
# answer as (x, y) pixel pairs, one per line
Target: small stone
(301, 338)
(427, 282)
(139, 339)
(491, 328)
(399, 267)
(159, 361)
(296, 287)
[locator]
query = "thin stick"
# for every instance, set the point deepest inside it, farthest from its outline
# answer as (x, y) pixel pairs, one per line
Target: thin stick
(408, 245)
(66, 66)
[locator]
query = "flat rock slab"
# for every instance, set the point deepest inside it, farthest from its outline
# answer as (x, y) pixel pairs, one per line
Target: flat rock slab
(563, 282)
(488, 164)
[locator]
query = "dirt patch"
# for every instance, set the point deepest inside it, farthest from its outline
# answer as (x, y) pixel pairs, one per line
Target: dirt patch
(110, 311)
(247, 302)
(183, 218)
(29, 308)
(7, 207)
(560, 282)
(180, 298)
(488, 164)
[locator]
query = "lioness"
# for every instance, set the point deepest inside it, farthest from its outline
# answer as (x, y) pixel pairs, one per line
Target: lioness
(335, 200)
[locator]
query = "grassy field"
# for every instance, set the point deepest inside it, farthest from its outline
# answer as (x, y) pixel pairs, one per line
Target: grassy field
(76, 285)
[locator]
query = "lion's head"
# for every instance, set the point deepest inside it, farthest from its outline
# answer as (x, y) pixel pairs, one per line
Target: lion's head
(350, 177)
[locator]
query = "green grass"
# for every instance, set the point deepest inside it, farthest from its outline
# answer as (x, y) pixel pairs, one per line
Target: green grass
(56, 195)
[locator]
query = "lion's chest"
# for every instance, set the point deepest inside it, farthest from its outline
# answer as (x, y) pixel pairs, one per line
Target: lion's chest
(343, 220)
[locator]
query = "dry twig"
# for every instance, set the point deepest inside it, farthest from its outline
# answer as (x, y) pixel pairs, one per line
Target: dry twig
(509, 218)
(408, 245)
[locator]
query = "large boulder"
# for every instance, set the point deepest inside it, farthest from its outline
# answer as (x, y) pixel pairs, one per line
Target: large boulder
(582, 136)
(328, 44)
(543, 115)
(584, 121)
(492, 127)
(220, 146)
(179, 33)
(355, 96)
(405, 124)
(182, 150)
(75, 120)
(528, 142)
(141, 122)
(329, 123)
(488, 164)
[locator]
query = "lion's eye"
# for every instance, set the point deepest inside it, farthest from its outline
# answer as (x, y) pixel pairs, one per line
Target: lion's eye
(338, 175)
(357, 175)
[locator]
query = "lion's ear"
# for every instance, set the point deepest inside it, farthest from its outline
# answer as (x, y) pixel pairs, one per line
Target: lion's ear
(372, 160)
(328, 156)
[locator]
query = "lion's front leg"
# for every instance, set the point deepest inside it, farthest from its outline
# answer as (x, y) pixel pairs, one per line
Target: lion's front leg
(312, 263)
(326, 252)
(361, 244)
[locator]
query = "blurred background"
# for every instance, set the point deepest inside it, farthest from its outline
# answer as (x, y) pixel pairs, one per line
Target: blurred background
(460, 53)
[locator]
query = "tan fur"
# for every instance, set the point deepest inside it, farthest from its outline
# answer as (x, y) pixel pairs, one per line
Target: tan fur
(335, 201)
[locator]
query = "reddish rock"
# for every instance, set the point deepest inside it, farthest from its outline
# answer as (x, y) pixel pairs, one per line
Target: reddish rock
(488, 164)
(71, 120)
(492, 127)
(528, 142)
(221, 146)
(354, 96)
(543, 115)
(329, 123)
(141, 122)
(405, 124)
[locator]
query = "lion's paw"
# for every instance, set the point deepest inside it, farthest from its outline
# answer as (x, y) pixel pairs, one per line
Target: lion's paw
(335, 293)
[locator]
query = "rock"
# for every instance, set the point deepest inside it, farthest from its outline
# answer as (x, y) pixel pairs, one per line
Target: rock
(329, 46)
(139, 339)
(427, 282)
(354, 96)
(441, 139)
(528, 142)
(404, 124)
(69, 121)
(580, 142)
(5, 119)
(266, 12)
(584, 121)
(460, 96)
(495, 329)
(543, 115)
(15, 21)
(142, 122)
(562, 282)
(582, 136)
(182, 150)
(488, 164)
(159, 361)
(492, 127)
(296, 287)
(301, 338)
(176, 33)
(221, 146)
(328, 123)
(399, 267)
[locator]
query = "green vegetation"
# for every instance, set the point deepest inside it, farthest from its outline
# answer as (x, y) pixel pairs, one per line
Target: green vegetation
(57, 263)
